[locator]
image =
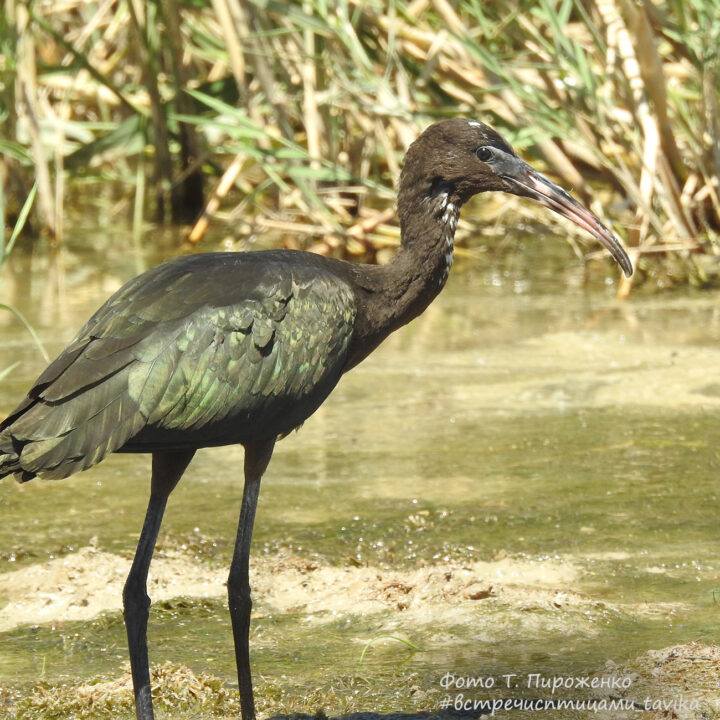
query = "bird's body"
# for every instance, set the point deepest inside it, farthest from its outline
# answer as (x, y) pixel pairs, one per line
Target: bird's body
(226, 348)
(216, 349)
(204, 350)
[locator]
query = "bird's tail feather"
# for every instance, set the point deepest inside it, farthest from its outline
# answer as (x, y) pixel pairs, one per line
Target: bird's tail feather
(10, 462)
(54, 439)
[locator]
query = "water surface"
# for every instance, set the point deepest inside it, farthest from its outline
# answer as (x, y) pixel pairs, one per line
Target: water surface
(526, 414)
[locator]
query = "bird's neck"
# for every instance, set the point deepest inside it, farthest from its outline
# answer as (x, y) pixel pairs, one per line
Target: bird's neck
(397, 292)
(420, 269)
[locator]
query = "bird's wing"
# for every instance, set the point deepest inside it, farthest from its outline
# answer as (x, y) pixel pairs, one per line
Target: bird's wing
(191, 353)
(245, 371)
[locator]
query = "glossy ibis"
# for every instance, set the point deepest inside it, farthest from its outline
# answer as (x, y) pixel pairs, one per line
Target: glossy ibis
(224, 348)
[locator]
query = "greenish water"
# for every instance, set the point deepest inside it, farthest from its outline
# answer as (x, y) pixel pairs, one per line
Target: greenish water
(524, 414)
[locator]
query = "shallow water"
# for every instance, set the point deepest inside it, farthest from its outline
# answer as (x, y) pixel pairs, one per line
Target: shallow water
(524, 415)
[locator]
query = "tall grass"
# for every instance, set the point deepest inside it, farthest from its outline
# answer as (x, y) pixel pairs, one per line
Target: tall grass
(289, 110)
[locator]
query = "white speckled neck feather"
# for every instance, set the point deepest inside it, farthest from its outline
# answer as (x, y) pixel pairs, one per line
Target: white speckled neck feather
(450, 214)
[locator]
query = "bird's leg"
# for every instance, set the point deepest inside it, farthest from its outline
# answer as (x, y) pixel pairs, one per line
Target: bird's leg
(167, 469)
(257, 457)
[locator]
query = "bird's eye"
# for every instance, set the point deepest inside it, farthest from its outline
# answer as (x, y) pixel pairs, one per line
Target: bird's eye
(484, 153)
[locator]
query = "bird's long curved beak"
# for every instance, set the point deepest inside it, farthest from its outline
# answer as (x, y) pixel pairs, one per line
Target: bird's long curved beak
(527, 182)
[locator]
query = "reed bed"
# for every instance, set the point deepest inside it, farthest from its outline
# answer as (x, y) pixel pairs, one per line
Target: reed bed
(261, 116)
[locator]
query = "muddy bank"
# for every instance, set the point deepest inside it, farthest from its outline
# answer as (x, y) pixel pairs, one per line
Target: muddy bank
(502, 600)
(83, 584)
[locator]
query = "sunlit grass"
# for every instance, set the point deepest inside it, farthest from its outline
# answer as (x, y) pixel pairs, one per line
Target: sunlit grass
(295, 113)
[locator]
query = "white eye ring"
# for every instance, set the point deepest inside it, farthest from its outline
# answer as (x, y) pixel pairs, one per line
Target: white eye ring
(484, 153)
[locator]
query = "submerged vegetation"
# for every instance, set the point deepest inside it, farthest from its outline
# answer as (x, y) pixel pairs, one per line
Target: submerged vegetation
(258, 115)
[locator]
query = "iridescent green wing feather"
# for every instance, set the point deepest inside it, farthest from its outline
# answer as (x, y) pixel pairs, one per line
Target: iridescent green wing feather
(202, 350)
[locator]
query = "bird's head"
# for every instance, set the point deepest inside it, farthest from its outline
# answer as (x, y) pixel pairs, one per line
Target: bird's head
(462, 158)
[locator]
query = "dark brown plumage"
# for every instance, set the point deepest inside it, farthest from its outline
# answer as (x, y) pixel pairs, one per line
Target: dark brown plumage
(229, 348)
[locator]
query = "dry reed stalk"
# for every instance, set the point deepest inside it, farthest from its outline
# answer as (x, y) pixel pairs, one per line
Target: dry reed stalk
(187, 191)
(230, 21)
(363, 228)
(620, 39)
(653, 80)
(260, 52)
(213, 203)
(310, 105)
(28, 104)
(161, 133)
